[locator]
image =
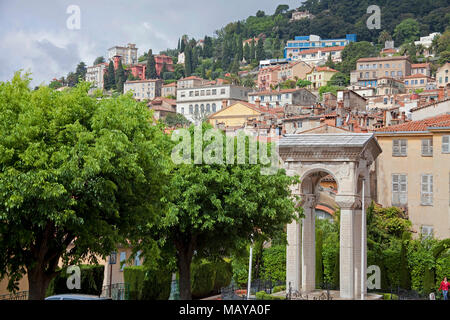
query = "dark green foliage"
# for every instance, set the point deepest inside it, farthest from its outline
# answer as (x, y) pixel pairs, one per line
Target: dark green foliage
(405, 276)
(319, 258)
(188, 61)
(224, 274)
(99, 60)
(262, 295)
(110, 77)
(203, 275)
(428, 281)
(91, 281)
(150, 70)
(274, 263)
(120, 77)
(134, 277)
(177, 119)
(148, 284)
(260, 53)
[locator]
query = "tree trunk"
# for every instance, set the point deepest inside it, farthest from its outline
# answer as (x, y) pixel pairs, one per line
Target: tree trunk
(38, 282)
(185, 251)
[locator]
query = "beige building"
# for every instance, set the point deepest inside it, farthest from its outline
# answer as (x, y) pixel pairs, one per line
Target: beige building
(319, 77)
(189, 82)
(127, 54)
(144, 89)
(413, 172)
(417, 82)
(369, 70)
(293, 71)
(443, 75)
(169, 90)
(95, 73)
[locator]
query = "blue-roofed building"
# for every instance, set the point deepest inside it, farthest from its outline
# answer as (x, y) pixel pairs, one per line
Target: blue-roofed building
(300, 43)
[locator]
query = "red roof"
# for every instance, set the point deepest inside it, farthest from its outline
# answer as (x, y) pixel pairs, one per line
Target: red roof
(320, 69)
(419, 65)
(192, 78)
(274, 92)
(419, 125)
(417, 75)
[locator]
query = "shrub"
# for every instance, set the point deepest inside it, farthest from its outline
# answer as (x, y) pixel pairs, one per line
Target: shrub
(91, 281)
(262, 295)
(274, 263)
(389, 296)
(279, 288)
(319, 259)
(157, 284)
(224, 273)
(134, 277)
(203, 274)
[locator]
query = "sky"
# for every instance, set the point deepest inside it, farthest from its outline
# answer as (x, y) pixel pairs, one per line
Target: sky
(43, 37)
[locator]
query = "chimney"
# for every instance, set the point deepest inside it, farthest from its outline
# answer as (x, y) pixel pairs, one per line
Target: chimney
(224, 104)
(116, 62)
(258, 103)
(403, 116)
(384, 117)
(340, 108)
(267, 105)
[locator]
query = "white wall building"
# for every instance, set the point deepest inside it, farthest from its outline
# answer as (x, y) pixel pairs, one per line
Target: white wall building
(427, 41)
(144, 89)
(128, 54)
(94, 74)
(197, 102)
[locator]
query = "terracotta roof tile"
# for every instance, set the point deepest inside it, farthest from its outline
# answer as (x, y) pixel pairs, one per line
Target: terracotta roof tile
(419, 125)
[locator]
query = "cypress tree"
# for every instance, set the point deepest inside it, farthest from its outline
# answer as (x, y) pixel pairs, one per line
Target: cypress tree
(235, 65)
(240, 49)
(405, 276)
(111, 81)
(260, 54)
(150, 71)
(120, 77)
(336, 272)
(252, 50)
(187, 61)
(247, 55)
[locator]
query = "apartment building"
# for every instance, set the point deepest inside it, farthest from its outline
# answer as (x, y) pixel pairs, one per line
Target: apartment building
(95, 74)
(317, 56)
(297, 15)
(197, 102)
(413, 172)
(281, 98)
(169, 90)
(294, 47)
(144, 89)
(267, 77)
(128, 54)
(294, 70)
(389, 86)
(421, 68)
(418, 82)
(190, 82)
(319, 77)
(443, 75)
(369, 70)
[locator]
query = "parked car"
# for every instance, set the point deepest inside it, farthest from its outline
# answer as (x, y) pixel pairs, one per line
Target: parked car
(69, 296)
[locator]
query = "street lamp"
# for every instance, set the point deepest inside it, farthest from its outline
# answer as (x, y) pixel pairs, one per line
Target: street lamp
(112, 260)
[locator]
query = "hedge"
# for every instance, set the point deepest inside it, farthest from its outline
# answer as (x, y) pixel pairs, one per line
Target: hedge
(262, 295)
(203, 275)
(224, 274)
(91, 281)
(148, 284)
(278, 288)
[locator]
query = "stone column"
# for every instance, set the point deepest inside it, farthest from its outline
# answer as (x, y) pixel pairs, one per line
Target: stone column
(293, 258)
(357, 252)
(346, 254)
(308, 244)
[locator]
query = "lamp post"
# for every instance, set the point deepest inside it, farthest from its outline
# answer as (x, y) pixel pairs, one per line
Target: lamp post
(112, 260)
(250, 271)
(363, 247)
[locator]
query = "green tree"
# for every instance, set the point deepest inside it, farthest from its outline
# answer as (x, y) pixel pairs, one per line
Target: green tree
(339, 79)
(188, 61)
(99, 60)
(247, 55)
(110, 77)
(319, 258)
(282, 8)
(74, 171)
(407, 31)
(303, 83)
(383, 37)
(55, 84)
(354, 51)
(81, 71)
(120, 77)
(213, 208)
(260, 53)
(150, 70)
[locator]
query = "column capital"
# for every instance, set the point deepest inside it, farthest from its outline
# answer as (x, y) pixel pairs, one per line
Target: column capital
(348, 201)
(308, 200)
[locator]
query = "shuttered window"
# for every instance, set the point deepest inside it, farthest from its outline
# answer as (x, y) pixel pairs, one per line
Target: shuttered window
(399, 189)
(427, 147)
(446, 144)
(399, 147)
(427, 232)
(426, 194)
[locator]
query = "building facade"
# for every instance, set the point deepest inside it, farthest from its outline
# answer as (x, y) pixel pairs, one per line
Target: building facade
(317, 56)
(319, 77)
(294, 70)
(443, 75)
(196, 103)
(413, 172)
(313, 42)
(169, 90)
(267, 77)
(281, 98)
(128, 54)
(95, 74)
(144, 89)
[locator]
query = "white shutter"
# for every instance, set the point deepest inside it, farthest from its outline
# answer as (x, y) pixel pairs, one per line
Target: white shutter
(399, 189)
(396, 147)
(427, 189)
(403, 147)
(427, 147)
(446, 144)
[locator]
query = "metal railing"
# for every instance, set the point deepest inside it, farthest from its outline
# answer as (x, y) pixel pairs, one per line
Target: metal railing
(116, 291)
(22, 295)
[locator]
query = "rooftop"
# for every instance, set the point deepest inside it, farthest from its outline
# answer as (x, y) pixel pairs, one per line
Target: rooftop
(335, 140)
(418, 125)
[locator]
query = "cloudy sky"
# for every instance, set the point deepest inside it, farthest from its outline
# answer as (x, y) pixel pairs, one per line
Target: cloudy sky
(34, 35)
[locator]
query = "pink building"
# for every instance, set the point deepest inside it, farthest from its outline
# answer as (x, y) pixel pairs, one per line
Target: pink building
(268, 76)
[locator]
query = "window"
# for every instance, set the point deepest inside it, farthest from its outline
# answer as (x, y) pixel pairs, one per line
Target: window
(208, 92)
(196, 93)
(213, 107)
(406, 82)
(222, 91)
(445, 144)
(123, 257)
(427, 147)
(427, 232)
(399, 147)
(182, 110)
(137, 259)
(208, 107)
(196, 109)
(426, 190)
(214, 91)
(191, 109)
(399, 189)
(202, 92)
(191, 93)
